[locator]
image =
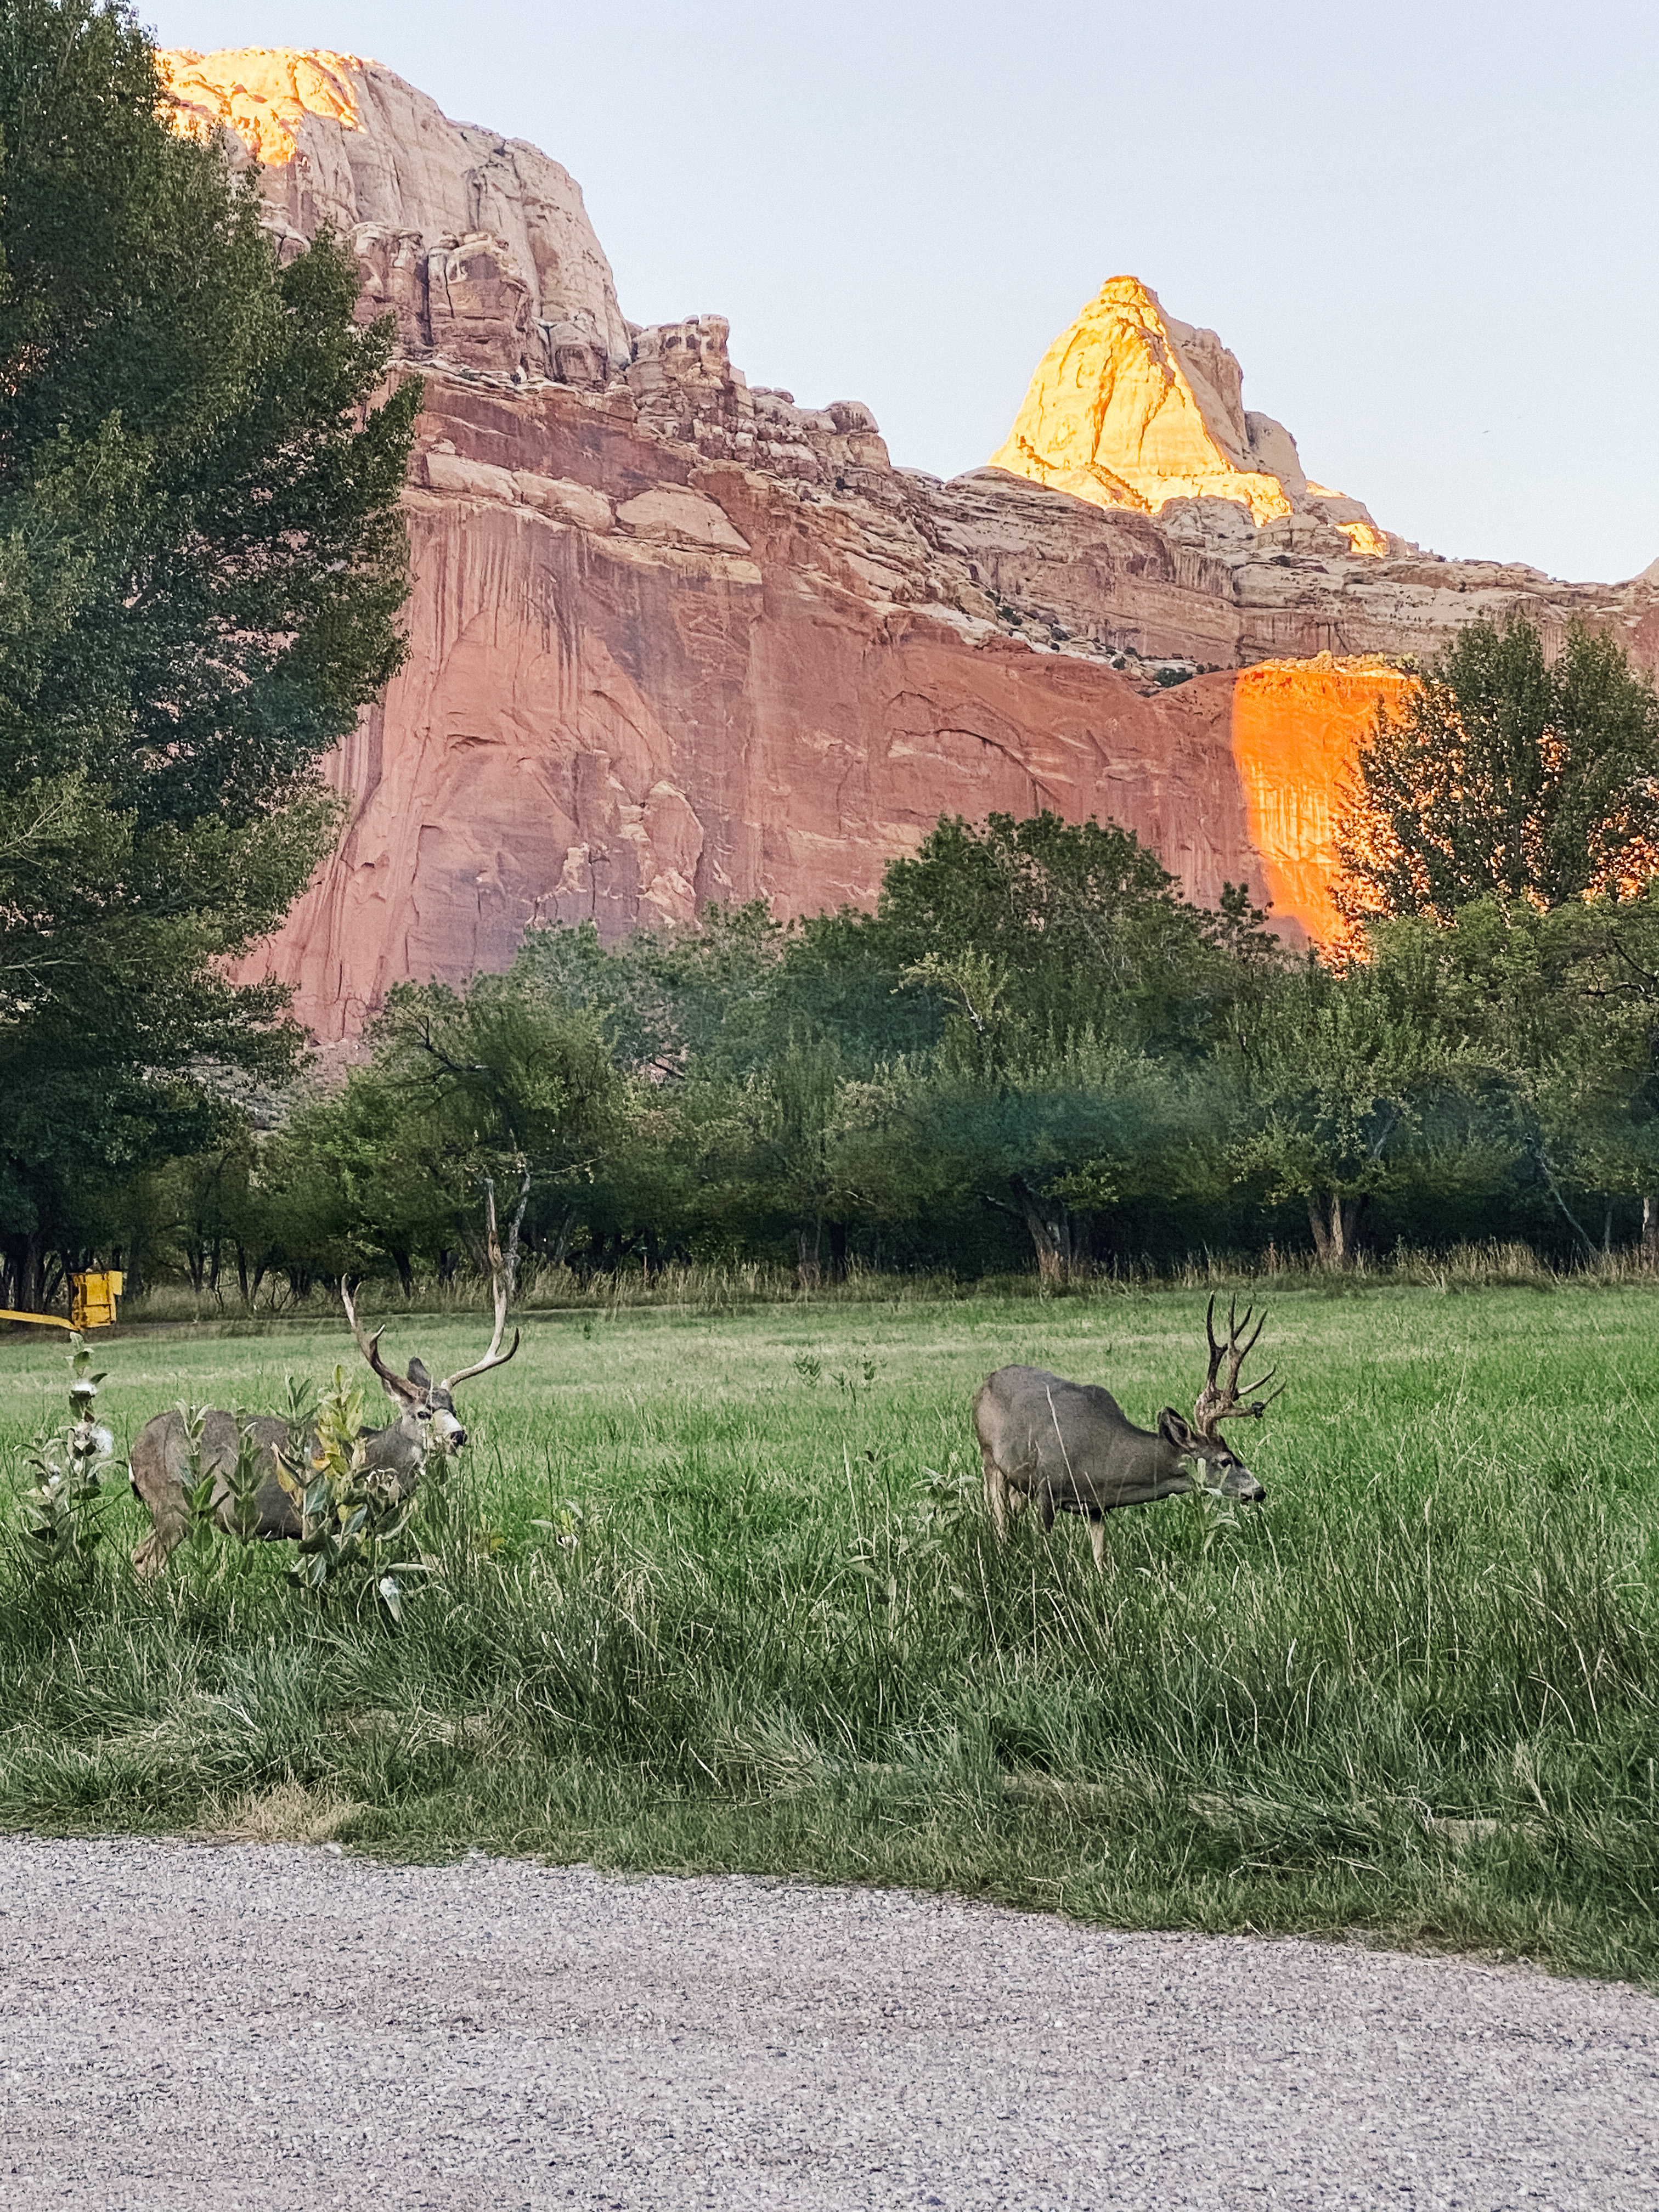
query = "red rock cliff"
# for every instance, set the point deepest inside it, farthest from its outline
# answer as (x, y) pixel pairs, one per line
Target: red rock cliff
(632, 691)
(675, 640)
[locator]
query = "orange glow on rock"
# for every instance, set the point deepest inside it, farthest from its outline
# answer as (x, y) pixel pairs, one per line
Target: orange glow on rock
(1364, 537)
(1297, 726)
(261, 92)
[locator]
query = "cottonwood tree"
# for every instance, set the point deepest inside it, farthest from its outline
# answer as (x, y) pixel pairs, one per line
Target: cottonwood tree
(1336, 1083)
(202, 567)
(1510, 787)
(1077, 994)
(1084, 925)
(504, 1079)
(1565, 1006)
(798, 1145)
(1506, 775)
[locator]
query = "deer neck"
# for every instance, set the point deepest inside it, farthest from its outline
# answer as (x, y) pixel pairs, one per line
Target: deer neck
(1153, 1469)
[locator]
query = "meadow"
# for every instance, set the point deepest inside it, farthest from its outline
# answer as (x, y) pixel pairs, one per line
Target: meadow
(713, 1589)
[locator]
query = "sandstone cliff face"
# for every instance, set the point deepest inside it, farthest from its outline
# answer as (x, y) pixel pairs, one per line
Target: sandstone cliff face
(643, 679)
(1296, 726)
(675, 639)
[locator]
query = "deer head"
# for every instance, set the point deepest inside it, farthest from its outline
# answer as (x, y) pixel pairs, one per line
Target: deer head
(427, 1407)
(1222, 1399)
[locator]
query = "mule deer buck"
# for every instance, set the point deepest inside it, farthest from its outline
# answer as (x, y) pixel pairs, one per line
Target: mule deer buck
(159, 1462)
(1071, 1448)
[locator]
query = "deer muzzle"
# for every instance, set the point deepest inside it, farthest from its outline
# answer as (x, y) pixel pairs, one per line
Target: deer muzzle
(1242, 1486)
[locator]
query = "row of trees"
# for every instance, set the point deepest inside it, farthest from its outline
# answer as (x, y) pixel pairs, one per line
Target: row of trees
(1035, 1046)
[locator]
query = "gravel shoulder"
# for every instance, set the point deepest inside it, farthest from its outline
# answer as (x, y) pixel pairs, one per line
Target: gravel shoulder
(185, 2026)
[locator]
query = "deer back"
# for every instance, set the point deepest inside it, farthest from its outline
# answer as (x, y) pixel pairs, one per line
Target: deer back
(1072, 1440)
(160, 1463)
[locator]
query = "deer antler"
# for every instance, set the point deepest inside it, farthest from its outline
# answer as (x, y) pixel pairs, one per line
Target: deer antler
(495, 1357)
(1225, 1402)
(394, 1385)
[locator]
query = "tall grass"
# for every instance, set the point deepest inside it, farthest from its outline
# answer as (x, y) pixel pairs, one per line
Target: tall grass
(716, 1590)
(735, 1287)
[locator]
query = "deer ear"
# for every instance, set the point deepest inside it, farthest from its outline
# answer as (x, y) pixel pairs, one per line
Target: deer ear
(1176, 1429)
(419, 1376)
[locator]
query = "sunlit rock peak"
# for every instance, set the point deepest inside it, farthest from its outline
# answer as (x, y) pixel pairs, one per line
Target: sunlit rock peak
(1131, 408)
(420, 199)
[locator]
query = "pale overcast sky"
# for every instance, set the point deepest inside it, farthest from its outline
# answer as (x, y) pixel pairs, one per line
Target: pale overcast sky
(1425, 226)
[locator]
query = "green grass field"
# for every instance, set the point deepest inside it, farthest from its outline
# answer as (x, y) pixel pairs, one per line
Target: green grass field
(1416, 1694)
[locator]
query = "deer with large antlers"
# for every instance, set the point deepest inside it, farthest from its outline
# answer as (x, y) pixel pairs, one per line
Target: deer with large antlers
(426, 1422)
(1070, 1447)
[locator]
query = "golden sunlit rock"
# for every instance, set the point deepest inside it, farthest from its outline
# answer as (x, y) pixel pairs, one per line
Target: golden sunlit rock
(1297, 726)
(264, 94)
(1131, 408)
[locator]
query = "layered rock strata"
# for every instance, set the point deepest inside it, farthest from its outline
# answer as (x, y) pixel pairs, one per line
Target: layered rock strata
(675, 639)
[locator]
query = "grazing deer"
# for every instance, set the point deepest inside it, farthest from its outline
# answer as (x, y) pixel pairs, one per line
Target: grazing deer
(1070, 1447)
(426, 1421)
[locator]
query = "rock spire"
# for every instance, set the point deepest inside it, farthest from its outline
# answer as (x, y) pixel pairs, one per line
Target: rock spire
(1131, 408)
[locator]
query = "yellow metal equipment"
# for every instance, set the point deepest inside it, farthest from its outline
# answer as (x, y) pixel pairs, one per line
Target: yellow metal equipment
(92, 1302)
(92, 1305)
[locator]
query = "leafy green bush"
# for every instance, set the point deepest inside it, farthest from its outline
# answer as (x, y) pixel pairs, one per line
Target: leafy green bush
(59, 1523)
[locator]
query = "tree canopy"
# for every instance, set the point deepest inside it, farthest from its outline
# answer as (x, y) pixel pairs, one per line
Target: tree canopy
(201, 567)
(1506, 775)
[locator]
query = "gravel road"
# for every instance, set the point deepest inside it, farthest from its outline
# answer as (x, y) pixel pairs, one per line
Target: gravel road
(185, 2026)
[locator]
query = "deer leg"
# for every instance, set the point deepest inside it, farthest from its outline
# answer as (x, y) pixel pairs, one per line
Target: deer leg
(1045, 1498)
(160, 1489)
(1097, 1538)
(152, 1554)
(996, 1494)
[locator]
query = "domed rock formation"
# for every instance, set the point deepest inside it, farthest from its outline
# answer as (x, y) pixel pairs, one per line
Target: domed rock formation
(675, 640)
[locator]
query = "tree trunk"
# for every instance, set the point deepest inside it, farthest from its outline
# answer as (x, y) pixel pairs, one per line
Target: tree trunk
(400, 1261)
(1650, 1231)
(561, 1241)
(25, 1267)
(1052, 1231)
(1335, 1222)
(838, 1251)
(511, 1255)
(807, 1246)
(1542, 1162)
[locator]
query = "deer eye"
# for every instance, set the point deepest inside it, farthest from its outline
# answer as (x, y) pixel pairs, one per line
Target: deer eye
(423, 1412)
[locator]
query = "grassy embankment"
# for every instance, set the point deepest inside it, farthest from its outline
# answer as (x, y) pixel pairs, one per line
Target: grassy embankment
(1417, 1694)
